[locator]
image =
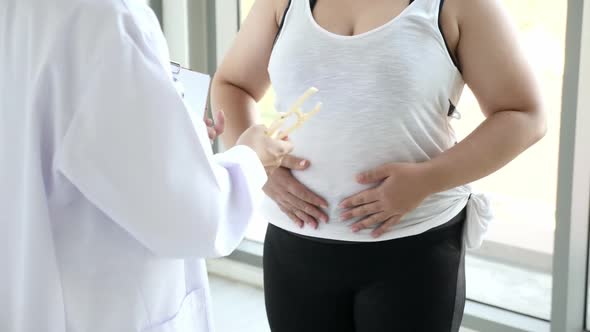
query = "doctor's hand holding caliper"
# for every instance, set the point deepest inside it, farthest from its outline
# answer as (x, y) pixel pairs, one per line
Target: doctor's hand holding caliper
(270, 151)
(110, 194)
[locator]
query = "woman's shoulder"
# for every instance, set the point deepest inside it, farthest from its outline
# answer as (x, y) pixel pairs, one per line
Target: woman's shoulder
(469, 8)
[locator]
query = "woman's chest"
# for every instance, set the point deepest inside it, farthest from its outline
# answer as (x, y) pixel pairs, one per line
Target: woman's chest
(351, 18)
(394, 71)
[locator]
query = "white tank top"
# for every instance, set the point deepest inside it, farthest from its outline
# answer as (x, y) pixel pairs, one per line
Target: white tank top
(386, 98)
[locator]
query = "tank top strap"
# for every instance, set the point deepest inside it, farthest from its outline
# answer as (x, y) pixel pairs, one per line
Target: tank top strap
(432, 9)
(295, 10)
(429, 8)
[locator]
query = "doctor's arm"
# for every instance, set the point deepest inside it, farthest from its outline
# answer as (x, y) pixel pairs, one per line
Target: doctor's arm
(134, 151)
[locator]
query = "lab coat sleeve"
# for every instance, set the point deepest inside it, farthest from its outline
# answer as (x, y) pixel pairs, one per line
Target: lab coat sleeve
(133, 150)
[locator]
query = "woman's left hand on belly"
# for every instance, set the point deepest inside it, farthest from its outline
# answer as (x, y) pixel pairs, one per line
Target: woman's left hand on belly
(401, 188)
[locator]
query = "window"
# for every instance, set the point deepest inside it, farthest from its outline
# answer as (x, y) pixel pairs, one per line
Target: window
(520, 242)
(513, 269)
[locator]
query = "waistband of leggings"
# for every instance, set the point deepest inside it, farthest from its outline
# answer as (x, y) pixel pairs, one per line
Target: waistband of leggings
(459, 218)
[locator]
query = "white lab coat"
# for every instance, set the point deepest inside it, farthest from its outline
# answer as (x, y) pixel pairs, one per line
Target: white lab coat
(110, 196)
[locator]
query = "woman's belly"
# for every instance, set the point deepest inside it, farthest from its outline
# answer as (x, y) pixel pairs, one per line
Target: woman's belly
(340, 146)
(333, 170)
(339, 151)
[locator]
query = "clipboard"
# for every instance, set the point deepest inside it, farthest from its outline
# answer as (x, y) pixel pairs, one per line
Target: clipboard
(193, 87)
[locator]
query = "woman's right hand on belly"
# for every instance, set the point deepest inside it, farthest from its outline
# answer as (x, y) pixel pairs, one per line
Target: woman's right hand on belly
(295, 200)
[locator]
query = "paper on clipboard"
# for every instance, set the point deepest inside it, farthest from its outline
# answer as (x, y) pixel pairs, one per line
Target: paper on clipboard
(196, 89)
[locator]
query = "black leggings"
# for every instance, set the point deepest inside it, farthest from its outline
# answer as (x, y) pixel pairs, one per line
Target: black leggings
(402, 285)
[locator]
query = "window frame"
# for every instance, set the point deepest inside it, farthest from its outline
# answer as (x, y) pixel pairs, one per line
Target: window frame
(570, 260)
(210, 30)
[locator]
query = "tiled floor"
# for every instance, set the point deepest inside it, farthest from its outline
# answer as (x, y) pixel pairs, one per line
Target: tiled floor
(244, 304)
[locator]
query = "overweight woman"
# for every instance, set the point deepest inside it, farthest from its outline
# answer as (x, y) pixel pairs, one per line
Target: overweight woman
(370, 216)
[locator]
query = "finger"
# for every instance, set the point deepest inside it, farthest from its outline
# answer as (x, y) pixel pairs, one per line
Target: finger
(300, 191)
(283, 148)
(306, 208)
(206, 114)
(369, 222)
(364, 197)
(361, 211)
(271, 167)
(307, 219)
(292, 162)
(208, 122)
(374, 175)
(211, 133)
(386, 226)
(292, 216)
(220, 123)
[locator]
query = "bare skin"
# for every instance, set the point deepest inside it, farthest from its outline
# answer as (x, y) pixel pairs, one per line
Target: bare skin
(500, 78)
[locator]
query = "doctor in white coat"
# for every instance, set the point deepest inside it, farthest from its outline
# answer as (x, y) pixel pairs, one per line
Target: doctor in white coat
(110, 195)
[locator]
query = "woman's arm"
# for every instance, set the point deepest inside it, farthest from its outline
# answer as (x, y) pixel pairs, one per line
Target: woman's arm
(242, 79)
(496, 70)
(240, 82)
